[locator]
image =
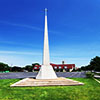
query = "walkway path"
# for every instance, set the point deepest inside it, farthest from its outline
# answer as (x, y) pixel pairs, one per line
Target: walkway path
(96, 80)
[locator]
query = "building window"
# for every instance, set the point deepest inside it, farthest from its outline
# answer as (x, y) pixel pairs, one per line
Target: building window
(59, 67)
(35, 67)
(55, 67)
(65, 67)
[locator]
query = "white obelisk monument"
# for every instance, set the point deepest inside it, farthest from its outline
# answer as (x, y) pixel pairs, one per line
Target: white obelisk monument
(46, 75)
(46, 71)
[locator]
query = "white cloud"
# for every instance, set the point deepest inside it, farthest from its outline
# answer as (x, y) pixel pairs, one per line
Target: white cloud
(24, 58)
(15, 60)
(21, 25)
(16, 43)
(21, 53)
(31, 27)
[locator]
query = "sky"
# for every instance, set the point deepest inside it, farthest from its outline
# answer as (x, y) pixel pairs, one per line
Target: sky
(73, 25)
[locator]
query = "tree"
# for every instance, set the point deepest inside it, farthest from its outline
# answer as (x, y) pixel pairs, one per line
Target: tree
(95, 63)
(78, 69)
(35, 64)
(16, 69)
(29, 68)
(83, 68)
(3, 66)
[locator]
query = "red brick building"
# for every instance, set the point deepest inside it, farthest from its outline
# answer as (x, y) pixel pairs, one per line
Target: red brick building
(57, 67)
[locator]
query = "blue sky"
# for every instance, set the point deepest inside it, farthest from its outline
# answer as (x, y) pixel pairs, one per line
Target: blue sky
(74, 29)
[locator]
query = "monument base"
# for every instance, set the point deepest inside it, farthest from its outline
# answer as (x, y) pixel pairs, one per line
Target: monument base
(46, 82)
(46, 72)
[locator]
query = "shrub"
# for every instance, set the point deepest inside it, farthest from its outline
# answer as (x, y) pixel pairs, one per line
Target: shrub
(90, 74)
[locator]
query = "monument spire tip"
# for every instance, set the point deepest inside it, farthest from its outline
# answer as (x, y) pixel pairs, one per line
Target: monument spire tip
(46, 11)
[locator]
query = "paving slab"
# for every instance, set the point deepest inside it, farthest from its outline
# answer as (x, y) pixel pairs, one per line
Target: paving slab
(61, 81)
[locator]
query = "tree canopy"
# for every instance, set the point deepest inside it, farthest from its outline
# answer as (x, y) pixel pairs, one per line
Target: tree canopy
(94, 64)
(3, 66)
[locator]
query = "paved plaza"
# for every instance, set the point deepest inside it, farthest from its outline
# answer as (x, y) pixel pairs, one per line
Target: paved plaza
(21, 75)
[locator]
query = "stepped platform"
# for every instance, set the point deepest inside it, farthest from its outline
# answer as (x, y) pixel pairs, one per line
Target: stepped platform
(46, 82)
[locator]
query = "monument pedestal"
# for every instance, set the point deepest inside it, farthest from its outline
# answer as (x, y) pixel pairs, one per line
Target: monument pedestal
(46, 82)
(46, 72)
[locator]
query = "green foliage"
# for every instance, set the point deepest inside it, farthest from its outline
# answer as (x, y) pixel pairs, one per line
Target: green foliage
(89, 91)
(79, 69)
(74, 70)
(83, 68)
(29, 68)
(94, 65)
(35, 64)
(90, 74)
(16, 69)
(3, 66)
(57, 70)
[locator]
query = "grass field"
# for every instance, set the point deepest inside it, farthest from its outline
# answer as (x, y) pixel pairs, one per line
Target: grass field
(90, 91)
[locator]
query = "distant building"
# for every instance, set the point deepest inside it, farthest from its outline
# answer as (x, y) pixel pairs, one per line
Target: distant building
(57, 67)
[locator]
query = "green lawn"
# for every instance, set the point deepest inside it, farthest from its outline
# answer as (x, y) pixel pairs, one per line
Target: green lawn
(90, 91)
